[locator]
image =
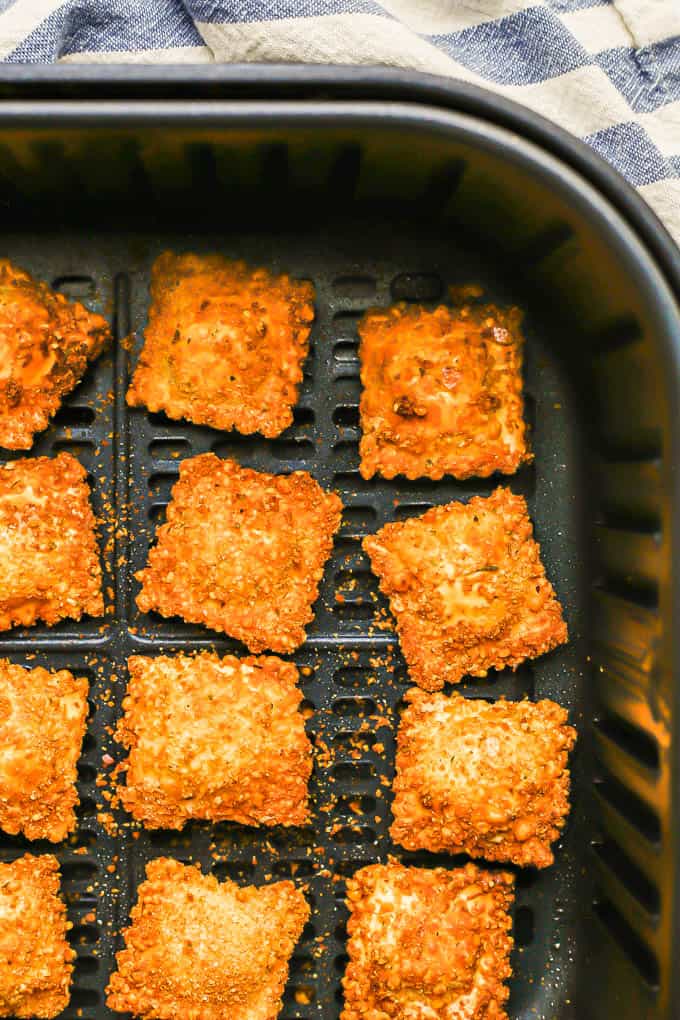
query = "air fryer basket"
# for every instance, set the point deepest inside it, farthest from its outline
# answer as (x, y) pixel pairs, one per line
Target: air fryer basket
(378, 202)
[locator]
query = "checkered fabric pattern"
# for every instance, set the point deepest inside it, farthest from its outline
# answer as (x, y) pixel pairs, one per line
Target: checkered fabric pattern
(606, 70)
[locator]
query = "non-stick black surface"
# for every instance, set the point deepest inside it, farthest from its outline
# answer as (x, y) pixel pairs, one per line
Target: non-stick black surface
(352, 673)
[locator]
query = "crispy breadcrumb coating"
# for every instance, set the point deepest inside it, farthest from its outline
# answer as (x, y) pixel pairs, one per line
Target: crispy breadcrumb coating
(428, 943)
(46, 343)
(242, 552)
(198, 949)
(467, 588)
(442, 392)
(43, 716)
(49, 558)
(490, 780)
(224, 345)
(36, 961)
(220, 739)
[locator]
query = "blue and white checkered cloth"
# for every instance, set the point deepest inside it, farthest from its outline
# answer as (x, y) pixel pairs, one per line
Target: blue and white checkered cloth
(607, 70)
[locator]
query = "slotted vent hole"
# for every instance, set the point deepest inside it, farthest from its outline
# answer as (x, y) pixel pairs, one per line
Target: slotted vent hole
(354, 707)
(629, 738)
(235, 870)
(354, 772)
(629, 805)
(293, 449)
(346, 416)
(352, 804)
(417, 287)
(74, 287)
(78, 448)
(524, 926)
(354, 286)
(353, 835)
(628, 941)
(347, 352)
(642, 888)
(74, 417)
(167, 449)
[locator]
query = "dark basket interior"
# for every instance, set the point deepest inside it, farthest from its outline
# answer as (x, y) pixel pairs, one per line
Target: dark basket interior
(374, 209)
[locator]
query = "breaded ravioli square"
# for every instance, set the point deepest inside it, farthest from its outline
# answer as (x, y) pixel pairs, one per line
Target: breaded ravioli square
(428, 943)
(214, 738)
(46, 344)
(467, 588)
(442, 392)
(43, 715)
(198, 949)
(36, 961)
(242, 552)
(224, 344)
(49, 559)
(489, 780)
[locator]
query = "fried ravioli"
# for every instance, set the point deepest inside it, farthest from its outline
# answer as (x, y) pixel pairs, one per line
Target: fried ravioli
(442, 392)
(219, 739)
(46, 344)
(467, 588)
(428, 943)
(42, 724)
(489, 780)
(224, 345)
(198, 948)
(49, 559)
(242, 552)
(36, 961)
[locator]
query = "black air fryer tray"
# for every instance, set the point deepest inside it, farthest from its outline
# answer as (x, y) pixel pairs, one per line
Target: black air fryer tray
(375, 203)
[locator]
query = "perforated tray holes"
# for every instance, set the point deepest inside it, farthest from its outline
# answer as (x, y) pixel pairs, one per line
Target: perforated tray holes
(424, 286)
(612, 857)
(358, 520)
(354, 677)
(634, 741)
(86, 808)
(628, 941)
(357, 708)
(241, 872)
(358, 586)
(294, 869)
(303, 418)
(354, 835)
(74, 416)
(83, 934)
(523, 926)
(353, 742)
(346, 416)
(169, 449)
(406, 510)
(75, 287)
(354, 287)
(346, 358)
(355, 805)
(623, 800)
(354, 774)
(293, 450)
(83, 998)
(81, 449)
(294, 838)
(161, 484)
(85, 966)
